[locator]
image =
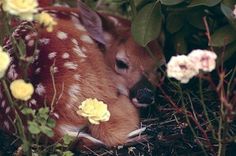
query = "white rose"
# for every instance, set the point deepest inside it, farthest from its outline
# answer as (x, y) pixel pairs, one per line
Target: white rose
(181, 68)
(205, 60)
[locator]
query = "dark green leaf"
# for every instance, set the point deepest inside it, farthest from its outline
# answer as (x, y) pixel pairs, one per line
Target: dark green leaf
(174, 22)
(147, 24)
(33, 127)
(51, 123)
(171, 2)
(230, 50)
(180, 43)
(229, 3)
(195, 18)
(223, 36)
(208, 3)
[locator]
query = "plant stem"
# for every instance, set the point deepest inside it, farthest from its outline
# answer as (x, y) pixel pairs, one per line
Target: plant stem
(204, 108)
(189, 123)
(19, 123)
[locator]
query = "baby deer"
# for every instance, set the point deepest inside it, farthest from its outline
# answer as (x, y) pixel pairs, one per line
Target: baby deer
(70, 67)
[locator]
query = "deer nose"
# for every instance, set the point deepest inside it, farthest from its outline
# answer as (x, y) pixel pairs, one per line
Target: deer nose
(143, 93)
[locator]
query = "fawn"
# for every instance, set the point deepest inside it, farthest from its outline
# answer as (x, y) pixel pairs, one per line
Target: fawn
(72, 64)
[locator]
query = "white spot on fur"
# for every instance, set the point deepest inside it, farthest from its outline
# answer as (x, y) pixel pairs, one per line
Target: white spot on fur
(7, 110)
(37, 71)
(80, 27)
(77, 77)
(77, 49)
(3, 104)
(12, 74)
(52, 55)
(70, 65)
(6, 124)
(44, 41)
(40, 89)
(73, 92)
(30, 43)
(62, 35)
(73, 40)
(65, 55)
(79, 52)
(86, 39)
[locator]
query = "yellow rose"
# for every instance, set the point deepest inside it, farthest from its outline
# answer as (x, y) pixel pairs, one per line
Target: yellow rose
(21, 90)
(96, 111)
(46, 20)
(22, 8)
(4, 62)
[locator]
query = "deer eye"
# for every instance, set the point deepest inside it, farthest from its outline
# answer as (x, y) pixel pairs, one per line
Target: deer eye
(120, 64)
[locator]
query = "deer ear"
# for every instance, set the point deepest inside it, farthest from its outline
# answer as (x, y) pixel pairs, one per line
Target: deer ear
(115, 28)
(92, 22)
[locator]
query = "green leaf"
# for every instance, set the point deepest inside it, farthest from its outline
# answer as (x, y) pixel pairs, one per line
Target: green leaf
(171, 2)
(223, 36)
(228, 14)
(209, 3)
(174, 22)
(67, 139)
(147, 24)
(28, 111)
(43, 112)
(67, 153)
(46, 130)
(33, 127)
